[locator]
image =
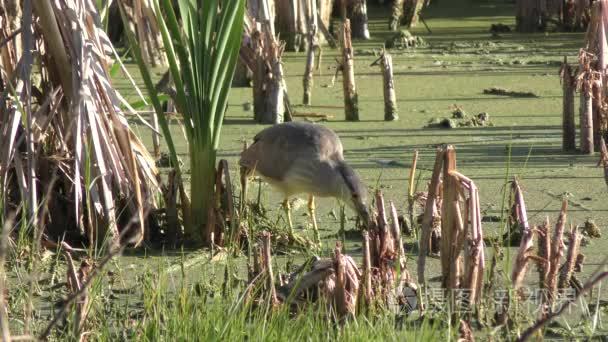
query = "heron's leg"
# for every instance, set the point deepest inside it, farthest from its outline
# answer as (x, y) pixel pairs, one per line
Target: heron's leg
(287, 208)
(311, 210)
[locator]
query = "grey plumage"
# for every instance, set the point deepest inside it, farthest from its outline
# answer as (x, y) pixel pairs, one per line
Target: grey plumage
(300, 157)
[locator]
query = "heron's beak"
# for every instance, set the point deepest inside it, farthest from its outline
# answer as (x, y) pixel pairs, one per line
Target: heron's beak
(363, 214)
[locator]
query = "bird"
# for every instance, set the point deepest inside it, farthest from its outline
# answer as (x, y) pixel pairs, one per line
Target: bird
(298, 158)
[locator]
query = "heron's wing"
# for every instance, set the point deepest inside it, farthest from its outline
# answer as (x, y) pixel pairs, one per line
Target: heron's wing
(278, 148)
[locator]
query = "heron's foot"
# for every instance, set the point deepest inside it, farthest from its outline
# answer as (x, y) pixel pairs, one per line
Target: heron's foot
(311, 211)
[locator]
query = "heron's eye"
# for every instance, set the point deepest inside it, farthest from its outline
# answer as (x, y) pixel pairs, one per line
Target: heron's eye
(355, 196)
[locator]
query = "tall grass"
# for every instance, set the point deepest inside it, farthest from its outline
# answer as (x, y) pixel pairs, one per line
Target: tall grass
(200, 313)
(201, 47)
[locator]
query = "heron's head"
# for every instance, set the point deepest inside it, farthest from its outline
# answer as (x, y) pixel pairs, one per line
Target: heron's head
(354, 192)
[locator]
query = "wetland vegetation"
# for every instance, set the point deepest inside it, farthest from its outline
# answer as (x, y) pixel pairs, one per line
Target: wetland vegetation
(169, 289)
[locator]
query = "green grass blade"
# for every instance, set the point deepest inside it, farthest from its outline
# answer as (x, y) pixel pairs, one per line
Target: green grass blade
(136, 53)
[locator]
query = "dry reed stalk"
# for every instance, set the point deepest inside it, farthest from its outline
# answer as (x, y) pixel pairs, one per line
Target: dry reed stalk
(410, 195)
(396, 235)
(520, 206)
(113, 250)
(244, 188)
(357, 12)
(307, 81)
(595, 36)
(411, 12)
(287, 23)
(556, 254)
(452, 228)
(223, 207)
(544, 253)
(258, 266)
(520, 220)
(382, 222)
(597, 90)
(82, 304)
(412, 176)
(142, 20)
(571, 258)
(396, 14)
(169, 192)
(324, 17)
(266, 14)
(385, 62)
(263, 57)
(580, 261)
(474, 246)
(10, 27)
(568, 125)
(430, 210)
(524, 254)
(386, 245)
(351, 102)
(465, 332)
(604, 158)
(585, 84)
(367, 270)
(267, 259)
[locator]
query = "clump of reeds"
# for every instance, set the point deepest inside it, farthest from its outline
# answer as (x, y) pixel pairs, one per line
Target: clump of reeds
(462, 255)
(68, 125)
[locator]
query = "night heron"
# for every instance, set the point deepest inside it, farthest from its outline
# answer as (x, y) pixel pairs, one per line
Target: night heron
(305, 158)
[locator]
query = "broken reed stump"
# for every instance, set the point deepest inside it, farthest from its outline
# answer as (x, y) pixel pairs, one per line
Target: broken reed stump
(367, 271)
(568, 125)
(268, 85)
(598, 100)
(396, 14)
(586, 119)
(358, 15)
(398, 241)
(385, 245)
(452, 228)
(461, 243)
(351, 102)
(275, 88)
(310, 63)
(287, 23)
(390, 99)
(430, 214)
(585, 81)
